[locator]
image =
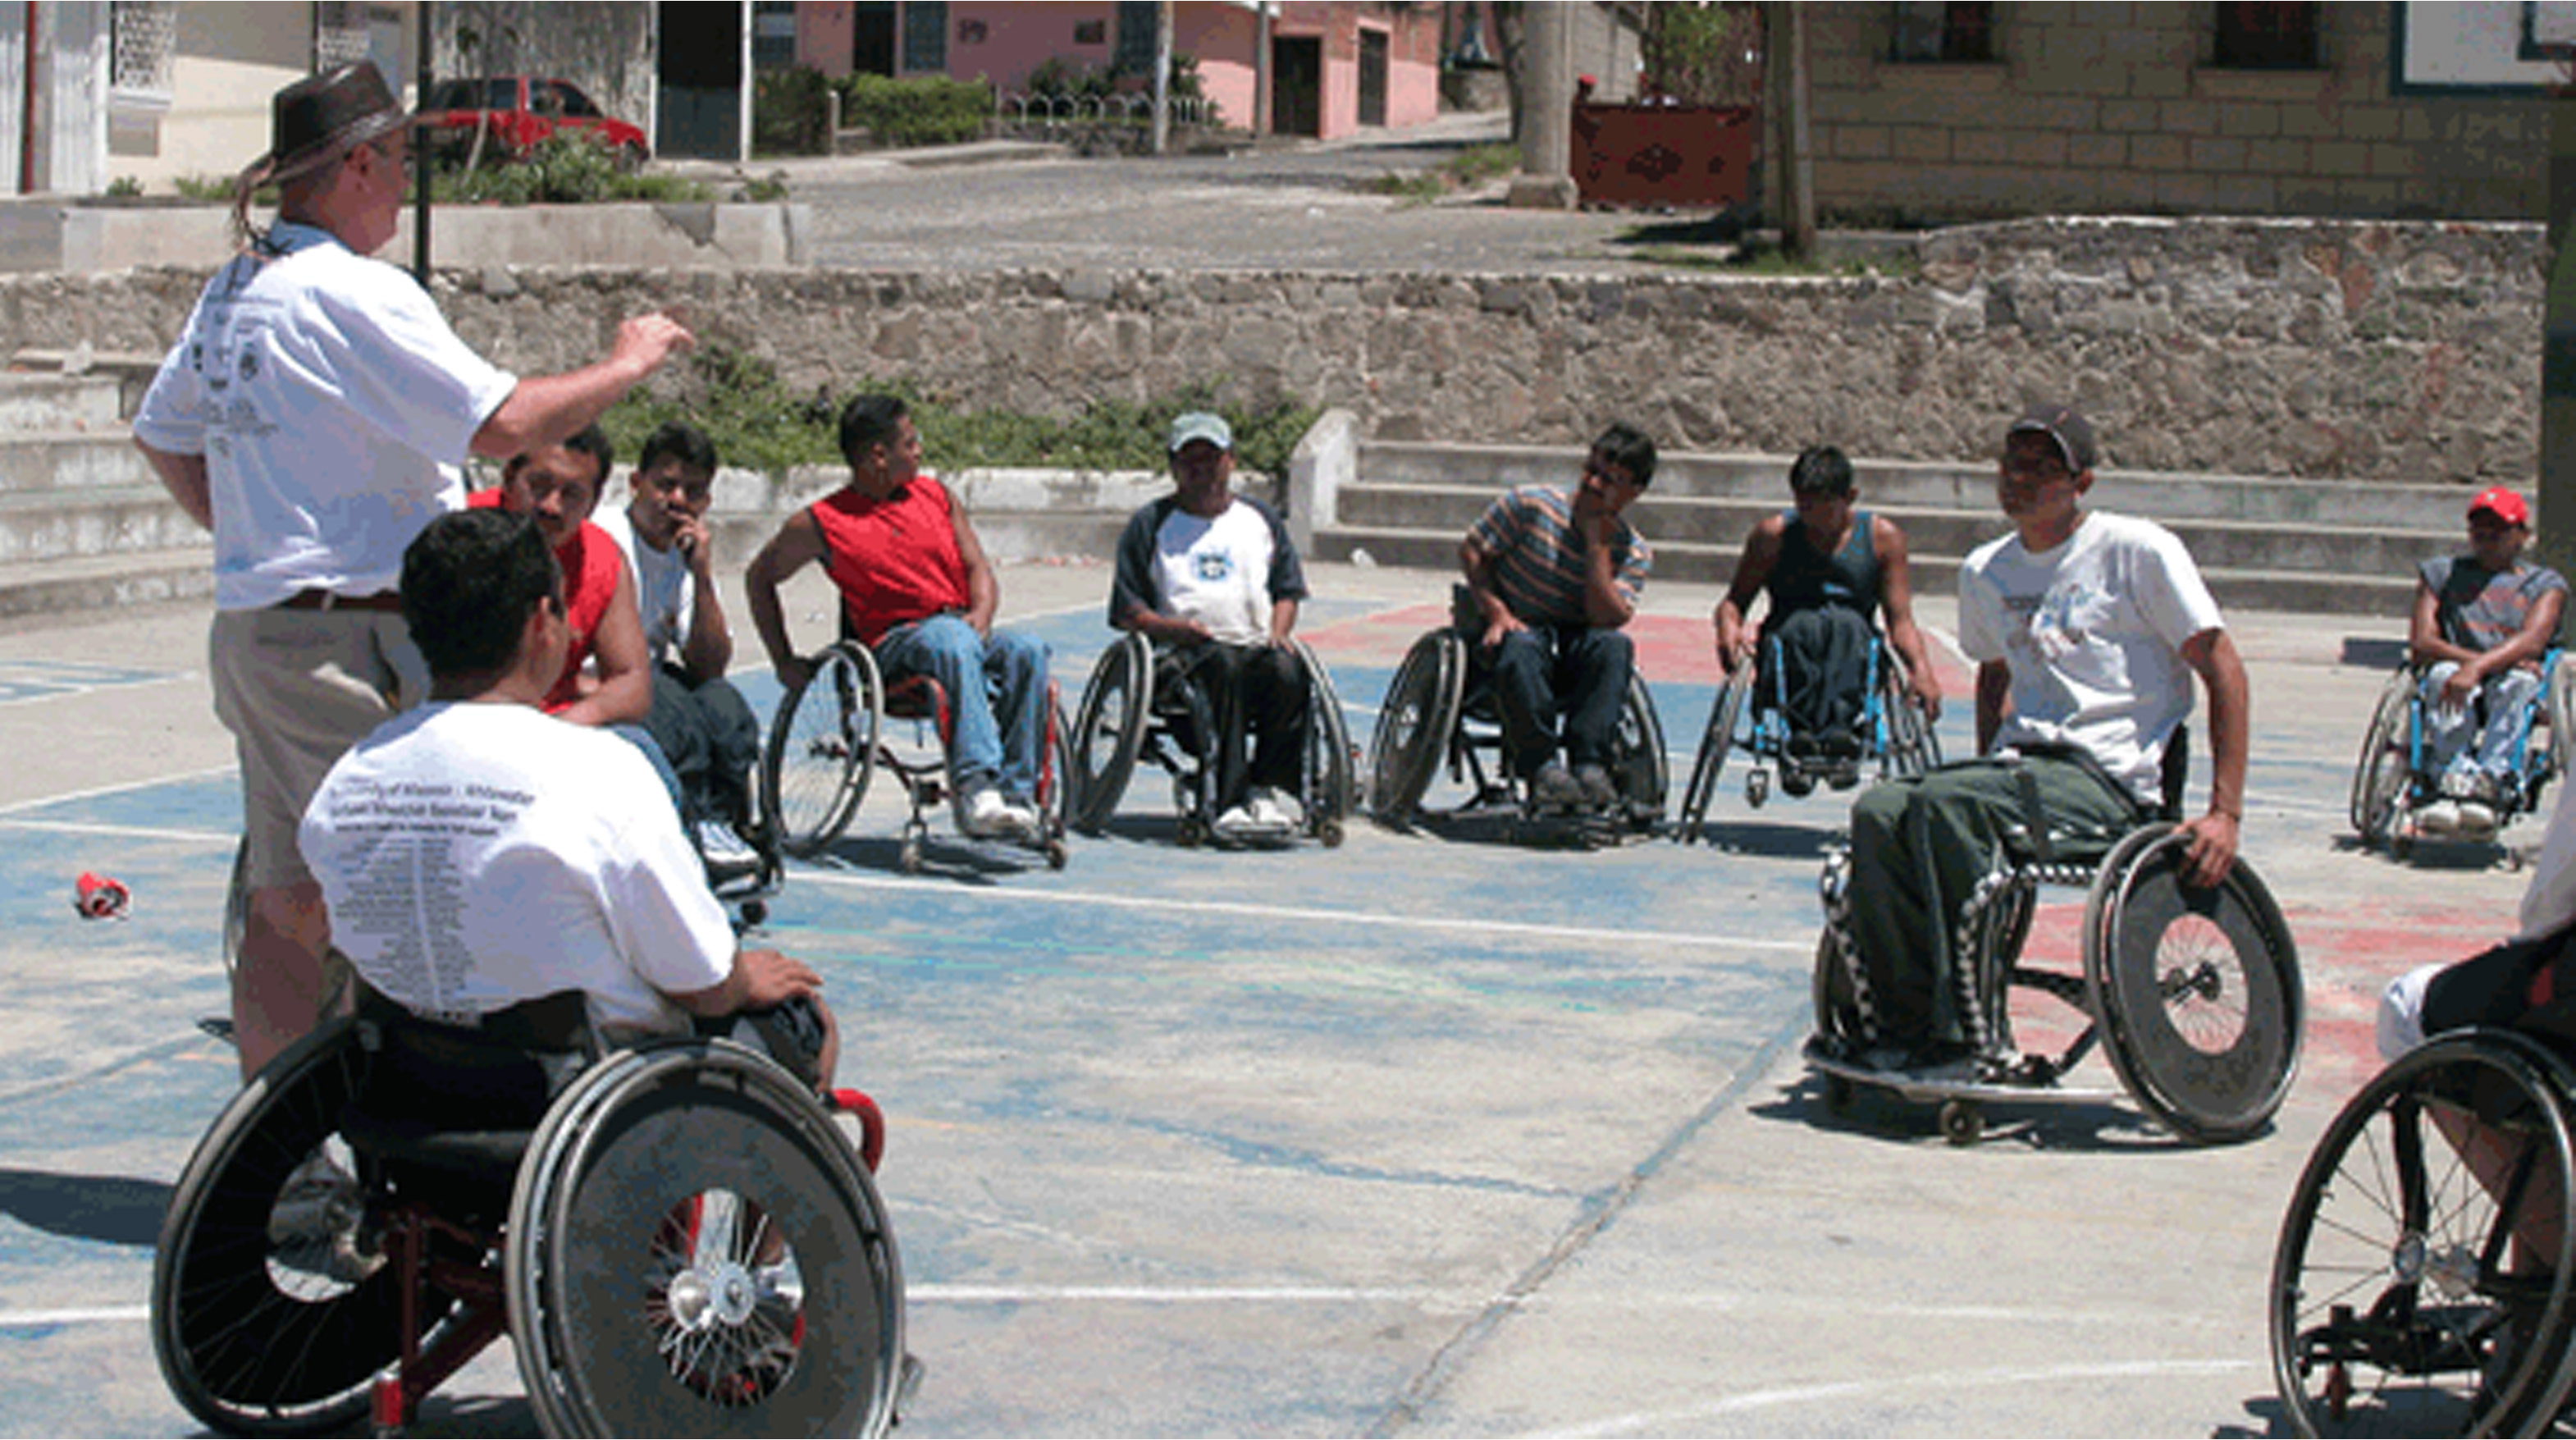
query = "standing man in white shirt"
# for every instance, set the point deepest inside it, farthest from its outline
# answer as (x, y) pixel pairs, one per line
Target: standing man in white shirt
(314, 415)
(704, 727)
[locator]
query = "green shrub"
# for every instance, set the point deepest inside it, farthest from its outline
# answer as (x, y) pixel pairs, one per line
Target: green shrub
(923, 110)
(791, 113)
(124, 187)
(757, 422)
(566, 168)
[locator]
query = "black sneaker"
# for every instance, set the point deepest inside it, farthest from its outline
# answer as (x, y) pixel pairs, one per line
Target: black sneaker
(1599, 792)
(1554, 788)
(1796, 780)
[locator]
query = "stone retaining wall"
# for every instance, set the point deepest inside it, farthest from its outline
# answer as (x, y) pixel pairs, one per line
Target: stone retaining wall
(2369, 350)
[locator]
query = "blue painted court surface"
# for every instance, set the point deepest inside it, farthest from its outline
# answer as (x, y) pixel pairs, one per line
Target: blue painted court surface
(1418, 1134)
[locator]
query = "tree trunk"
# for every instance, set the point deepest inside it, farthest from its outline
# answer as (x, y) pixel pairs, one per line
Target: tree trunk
(1511, 39)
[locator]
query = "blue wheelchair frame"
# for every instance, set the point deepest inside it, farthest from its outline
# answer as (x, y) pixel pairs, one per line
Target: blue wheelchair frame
(1896, 736)
(2384, 795)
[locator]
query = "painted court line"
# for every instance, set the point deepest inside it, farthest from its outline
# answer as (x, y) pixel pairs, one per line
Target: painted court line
(1293, 912)
(1911, 1380)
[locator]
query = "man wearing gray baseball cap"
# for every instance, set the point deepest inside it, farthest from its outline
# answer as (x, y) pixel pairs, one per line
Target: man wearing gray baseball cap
(315, 415)
(2086, 628)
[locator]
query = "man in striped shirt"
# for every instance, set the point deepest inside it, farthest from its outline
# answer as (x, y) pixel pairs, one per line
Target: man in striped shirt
(1554, 574)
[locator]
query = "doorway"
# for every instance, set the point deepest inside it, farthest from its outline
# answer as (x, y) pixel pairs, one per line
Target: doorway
(700, 74)
(1297, 85)
(1373, 78)
(872, 38)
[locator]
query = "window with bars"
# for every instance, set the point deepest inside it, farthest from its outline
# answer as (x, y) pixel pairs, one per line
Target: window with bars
(143, 37)
(2265, 36)
(1943, 32)
(925, 38)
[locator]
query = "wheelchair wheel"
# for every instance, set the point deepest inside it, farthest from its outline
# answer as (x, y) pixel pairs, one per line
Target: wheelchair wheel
(2197, 991)
(694, 1249)
(269, 1316)
(2405, 1298)
(1723, 717)
(1109, 730)
(1328, 751)
(236, 908)
(2380, 774)
(1907, 744)
(2560, 712)
(822, 748)
(1637, 759)
(1051, 795)
(1414, 724)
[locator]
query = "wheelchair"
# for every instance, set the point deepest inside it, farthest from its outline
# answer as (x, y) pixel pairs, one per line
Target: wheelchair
(2421, 1284)
(2194, 995)
(682, 1241)
(2391, 780)
(830, 736)
(1141, 703)
(1440, 711)
(1897, 734)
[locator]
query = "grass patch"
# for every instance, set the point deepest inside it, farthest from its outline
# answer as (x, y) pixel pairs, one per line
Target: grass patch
(757, 422)
(1463, 171)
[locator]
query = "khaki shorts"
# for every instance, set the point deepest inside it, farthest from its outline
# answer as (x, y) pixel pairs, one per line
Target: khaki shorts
(297, 688)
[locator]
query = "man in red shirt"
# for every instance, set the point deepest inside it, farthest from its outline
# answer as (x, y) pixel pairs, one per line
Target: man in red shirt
(917, 590)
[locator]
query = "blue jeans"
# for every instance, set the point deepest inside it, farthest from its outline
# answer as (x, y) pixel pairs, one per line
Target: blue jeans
(1576, 672)
(996, 698)
(2478, 737)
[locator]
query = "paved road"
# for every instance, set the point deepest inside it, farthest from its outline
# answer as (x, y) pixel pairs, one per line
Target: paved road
(1271, 209)
(1412, 1137)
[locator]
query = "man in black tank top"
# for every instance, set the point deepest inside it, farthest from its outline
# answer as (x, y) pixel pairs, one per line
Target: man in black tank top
(1829, 569)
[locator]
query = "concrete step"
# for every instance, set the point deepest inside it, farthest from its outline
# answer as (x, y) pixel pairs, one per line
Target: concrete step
(37, 591)
(1721, 524)
(47, 404)
(56, 525)
(126, 374)
(2387, 596)
(1936, 485)
(72, 461)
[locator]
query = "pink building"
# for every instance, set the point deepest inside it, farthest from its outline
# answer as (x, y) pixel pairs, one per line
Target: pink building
(1330, 68)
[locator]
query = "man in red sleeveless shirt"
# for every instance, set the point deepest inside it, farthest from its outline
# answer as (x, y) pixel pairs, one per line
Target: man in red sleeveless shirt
(917, 590)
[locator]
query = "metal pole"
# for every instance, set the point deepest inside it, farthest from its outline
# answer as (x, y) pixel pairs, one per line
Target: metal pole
(1163, 77)
(742, 93)
(2557, 529)
(1802, 164)
(1261, 69)
(420, 151)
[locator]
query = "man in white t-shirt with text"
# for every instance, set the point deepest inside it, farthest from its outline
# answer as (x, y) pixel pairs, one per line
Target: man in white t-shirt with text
(478, 853)
(1212, 578)
(2087, 629)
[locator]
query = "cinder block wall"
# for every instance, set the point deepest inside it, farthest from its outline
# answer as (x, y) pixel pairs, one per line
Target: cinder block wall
(2114, 109)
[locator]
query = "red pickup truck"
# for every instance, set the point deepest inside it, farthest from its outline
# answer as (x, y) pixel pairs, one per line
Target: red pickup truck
(515, 112)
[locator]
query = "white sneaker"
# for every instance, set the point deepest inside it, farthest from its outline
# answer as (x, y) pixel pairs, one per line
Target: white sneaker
(986, 815)
(724, 850)
(2442, 817)
(1235, 823)
(2477, 821)
(1271, 812)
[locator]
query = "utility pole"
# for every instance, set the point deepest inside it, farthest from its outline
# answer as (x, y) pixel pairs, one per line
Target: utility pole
(420, 150)
(1547, 129)
(2557, 529)
(1162, 77)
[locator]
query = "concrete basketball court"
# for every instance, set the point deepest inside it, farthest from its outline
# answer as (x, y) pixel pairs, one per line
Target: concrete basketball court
(1415, 1136)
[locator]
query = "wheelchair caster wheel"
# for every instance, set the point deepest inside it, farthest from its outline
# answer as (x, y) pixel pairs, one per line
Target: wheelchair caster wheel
(911, 858)
(1838, 1094)
(1056, 854)
(1962, 1123)
(1757, 788)
(1330, 832)
(1192, 833)
(755, 913)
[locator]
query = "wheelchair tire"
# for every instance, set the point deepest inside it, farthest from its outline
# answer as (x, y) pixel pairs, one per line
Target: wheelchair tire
(1723, 718)
(1829, 990)
(2560, 713)
(258, 1333)
(695, 1249)
(1414, 725)
(1108, 731)
(1907, 743)
(2197, 991)
(1638, 763)
(236, 908)
(822, 749)
(1331, 784)
(2380, 772)
(2390, 1300)
(1052, 781)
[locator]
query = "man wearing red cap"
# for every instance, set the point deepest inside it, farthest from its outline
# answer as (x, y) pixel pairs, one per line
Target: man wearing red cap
(314, 415)
(2482, 621)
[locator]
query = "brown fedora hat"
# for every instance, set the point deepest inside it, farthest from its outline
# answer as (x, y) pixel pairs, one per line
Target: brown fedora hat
(321, 116)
